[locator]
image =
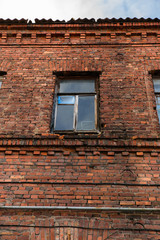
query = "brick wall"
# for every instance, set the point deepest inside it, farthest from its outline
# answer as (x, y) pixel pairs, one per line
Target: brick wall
(77, 177)
(116, 169)
(53, 225)
(126, 96)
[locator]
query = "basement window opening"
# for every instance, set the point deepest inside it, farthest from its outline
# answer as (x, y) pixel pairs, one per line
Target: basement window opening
(75, 105)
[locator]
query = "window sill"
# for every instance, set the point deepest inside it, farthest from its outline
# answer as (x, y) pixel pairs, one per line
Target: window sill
(75, 133)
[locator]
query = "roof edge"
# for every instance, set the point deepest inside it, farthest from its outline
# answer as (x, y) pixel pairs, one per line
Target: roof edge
(76, 21)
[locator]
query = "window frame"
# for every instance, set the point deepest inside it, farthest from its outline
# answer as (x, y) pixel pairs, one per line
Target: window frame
(2, 74)
(76, 77)
(156, 94)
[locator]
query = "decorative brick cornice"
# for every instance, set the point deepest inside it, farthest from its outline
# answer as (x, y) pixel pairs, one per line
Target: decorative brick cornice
(103, 31)
(66, 37)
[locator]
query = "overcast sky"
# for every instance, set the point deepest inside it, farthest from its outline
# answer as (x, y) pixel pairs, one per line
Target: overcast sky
(67, 9)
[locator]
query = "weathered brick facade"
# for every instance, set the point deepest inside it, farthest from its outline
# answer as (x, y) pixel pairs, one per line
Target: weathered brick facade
(88, 186)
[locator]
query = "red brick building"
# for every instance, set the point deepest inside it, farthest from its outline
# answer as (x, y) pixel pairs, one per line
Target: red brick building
(79, 135)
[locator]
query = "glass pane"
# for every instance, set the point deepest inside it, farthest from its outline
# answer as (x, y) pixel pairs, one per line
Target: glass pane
(158, 100)
(77, 86)
(86, 113)
(66, 99)
(158, 112)
(64, 119)
(156, 83)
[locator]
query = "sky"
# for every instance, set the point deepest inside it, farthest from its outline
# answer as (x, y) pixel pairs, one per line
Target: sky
(67, 9)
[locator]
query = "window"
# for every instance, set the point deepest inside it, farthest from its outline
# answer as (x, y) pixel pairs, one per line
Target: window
(156, 83)
(75, 105)
(2, 73)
